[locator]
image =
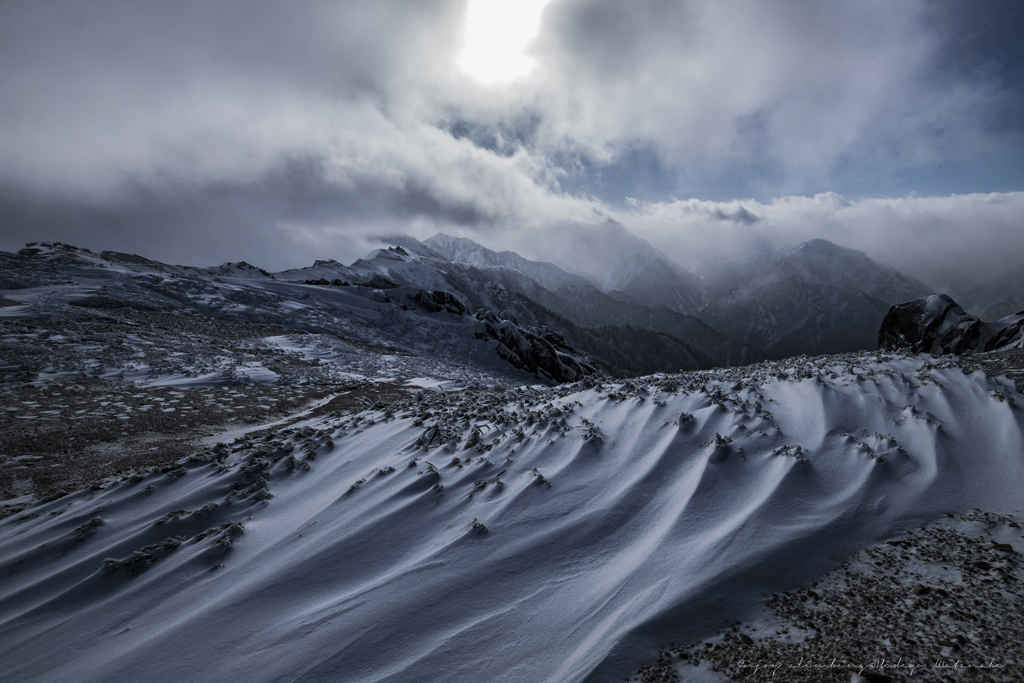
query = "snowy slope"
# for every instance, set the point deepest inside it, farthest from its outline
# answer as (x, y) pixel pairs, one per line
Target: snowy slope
(558, 534)
(368, 330)
(814, 298)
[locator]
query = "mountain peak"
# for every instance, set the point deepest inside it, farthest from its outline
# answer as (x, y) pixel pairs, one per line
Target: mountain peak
(464, 250)
(821, 245)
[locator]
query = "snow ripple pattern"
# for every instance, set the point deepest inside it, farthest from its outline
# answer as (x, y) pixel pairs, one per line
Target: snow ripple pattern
(557, 534)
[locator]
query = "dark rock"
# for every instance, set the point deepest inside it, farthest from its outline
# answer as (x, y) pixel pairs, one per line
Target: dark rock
(938, 325)
(935, 324)
(537, 350)
(378, 281)
(438, 301)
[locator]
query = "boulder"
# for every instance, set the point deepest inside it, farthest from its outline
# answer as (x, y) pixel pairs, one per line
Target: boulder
(438, 301)
(938, 325)
(537, 350)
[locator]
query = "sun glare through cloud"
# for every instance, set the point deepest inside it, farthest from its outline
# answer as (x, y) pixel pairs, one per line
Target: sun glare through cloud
(496, 35)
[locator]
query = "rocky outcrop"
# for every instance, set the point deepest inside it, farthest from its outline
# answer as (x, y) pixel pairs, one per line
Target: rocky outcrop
(437, 301)
(939, 325)
(239, 269)
(378, 281)
(537, 349)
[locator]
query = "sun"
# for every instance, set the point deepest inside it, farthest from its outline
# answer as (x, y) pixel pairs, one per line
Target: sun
(496, 35)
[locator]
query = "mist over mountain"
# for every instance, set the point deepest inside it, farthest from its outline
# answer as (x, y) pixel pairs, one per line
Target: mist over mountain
(576, 300)
(616, 260)
(813, 298)
(997, 297)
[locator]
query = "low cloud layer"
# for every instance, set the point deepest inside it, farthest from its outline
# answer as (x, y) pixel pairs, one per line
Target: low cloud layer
(949, 243)
(197, 132)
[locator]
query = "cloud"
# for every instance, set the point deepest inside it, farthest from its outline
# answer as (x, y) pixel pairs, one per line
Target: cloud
(947, 242)
(195, 131)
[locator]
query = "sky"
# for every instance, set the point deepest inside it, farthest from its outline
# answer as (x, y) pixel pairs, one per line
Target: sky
(198, 132)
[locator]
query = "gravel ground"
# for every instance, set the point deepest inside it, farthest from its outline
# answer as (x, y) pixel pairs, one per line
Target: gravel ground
(69, 419)
(63, 436)
(942, 603)
(1009, 362)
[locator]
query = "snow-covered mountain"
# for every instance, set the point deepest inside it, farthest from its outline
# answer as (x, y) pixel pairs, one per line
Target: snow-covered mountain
(814, 298)
(367, 309)
(658, 338)
(463, 250)
(528, 534)
(384, 301)
(225, 474)
(998, 297)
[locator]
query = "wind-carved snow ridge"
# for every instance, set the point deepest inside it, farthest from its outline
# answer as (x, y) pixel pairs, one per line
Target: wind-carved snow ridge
(537, 533)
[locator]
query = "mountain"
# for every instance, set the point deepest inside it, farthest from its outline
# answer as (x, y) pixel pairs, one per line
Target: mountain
(390, 303)
(616, 260)
(810, 299)
(998, 297)
(222, 474)
(463, 250)
(388, 300)
(939, 325)
(671, 343)
(683, 341)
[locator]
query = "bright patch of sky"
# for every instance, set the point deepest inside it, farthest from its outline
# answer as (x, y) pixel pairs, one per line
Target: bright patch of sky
(497, 35)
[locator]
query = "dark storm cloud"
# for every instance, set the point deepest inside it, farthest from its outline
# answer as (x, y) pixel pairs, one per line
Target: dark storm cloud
(286, 219)
(92, 92)
(774, 97)
(738, 215)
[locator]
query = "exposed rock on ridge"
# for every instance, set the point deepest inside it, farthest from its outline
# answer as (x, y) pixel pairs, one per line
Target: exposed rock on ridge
(939, 325)
(539, 350)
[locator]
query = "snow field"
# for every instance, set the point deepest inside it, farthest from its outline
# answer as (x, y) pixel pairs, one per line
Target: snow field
(532, 534)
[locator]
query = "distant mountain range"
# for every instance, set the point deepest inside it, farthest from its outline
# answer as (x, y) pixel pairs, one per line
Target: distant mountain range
(813, 298)
(622, 265)
(615, 302)
(661, 340)
(462, 250)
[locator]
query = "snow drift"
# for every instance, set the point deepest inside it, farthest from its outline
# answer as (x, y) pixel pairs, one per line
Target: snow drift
(534, 534)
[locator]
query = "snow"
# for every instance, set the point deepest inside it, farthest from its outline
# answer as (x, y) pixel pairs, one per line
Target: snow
(433, 383)
(626, 516)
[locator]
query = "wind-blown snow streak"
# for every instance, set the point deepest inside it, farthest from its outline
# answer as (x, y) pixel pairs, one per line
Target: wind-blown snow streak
(625, 517)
